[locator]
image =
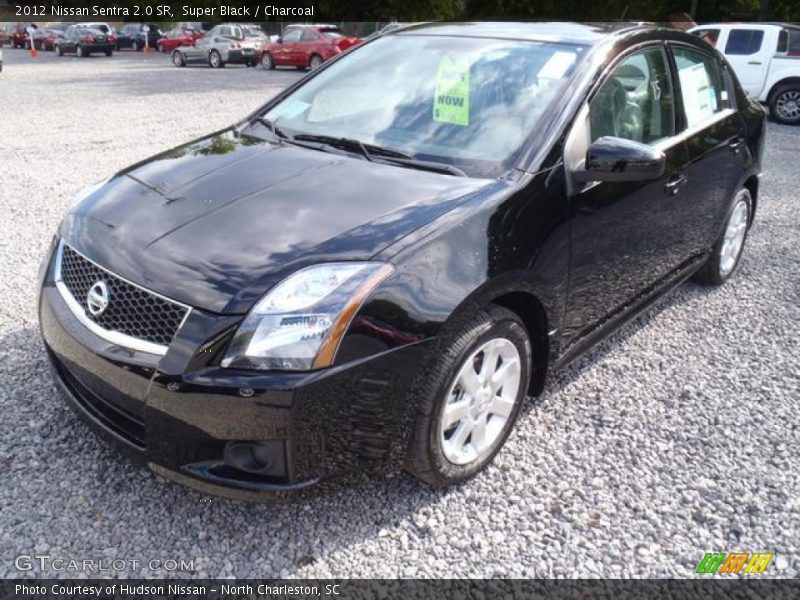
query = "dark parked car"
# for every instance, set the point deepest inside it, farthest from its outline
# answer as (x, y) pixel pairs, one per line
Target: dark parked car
(377, 266)
(305, 47)
(84, 41)
(134, 36)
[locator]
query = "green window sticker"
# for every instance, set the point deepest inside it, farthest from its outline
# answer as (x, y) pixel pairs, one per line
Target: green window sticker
(451, 97)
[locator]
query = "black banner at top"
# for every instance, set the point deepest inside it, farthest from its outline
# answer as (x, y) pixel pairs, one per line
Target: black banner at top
(388, 10)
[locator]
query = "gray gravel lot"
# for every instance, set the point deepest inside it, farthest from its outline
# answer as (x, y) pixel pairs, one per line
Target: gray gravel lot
(678, 436)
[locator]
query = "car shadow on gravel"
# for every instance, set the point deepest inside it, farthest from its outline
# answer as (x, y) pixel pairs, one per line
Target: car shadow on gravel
(49, 454)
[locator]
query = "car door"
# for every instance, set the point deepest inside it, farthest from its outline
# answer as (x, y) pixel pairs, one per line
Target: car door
(306, 46)
(714, 134)
(199, 51)
(749, 51)
(286, 53)
(626, 236)
(70, 40)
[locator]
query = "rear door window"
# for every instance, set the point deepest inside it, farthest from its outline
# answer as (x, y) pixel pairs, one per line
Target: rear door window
(702, 89)
(742, 42)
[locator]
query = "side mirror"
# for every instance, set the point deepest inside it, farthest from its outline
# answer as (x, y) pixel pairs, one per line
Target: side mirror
(617, 159)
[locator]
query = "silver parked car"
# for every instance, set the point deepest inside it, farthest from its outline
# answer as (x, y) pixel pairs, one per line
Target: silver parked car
(224, 44)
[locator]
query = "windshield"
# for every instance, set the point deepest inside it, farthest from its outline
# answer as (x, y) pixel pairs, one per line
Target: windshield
(469, 102)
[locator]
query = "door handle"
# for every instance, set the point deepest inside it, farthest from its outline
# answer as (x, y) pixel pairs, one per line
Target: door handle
(754, 62)
(674, 184)
(736, 144)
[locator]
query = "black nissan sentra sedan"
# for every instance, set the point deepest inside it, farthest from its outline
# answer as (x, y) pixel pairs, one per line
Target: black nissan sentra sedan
(377, 266)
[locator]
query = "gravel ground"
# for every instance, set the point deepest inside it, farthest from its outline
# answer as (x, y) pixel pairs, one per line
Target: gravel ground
(676, 437)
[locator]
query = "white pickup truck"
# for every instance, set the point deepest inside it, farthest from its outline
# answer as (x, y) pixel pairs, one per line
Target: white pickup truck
(766, 59)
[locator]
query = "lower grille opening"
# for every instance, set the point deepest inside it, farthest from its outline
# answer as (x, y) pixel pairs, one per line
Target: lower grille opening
(123, 424)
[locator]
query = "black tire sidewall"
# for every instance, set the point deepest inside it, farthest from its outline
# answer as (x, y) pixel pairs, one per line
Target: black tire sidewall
(490, 324)
(774, 100)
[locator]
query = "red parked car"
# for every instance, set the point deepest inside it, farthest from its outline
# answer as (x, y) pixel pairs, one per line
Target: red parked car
(305, 46)
(17, 34)
(44, 39)
(178, 36)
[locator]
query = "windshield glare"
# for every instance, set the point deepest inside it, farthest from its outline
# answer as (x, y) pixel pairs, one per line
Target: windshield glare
(470, 102)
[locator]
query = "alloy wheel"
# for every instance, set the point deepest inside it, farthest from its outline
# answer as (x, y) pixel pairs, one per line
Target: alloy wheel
(734, 238)
(480, 401)
(214, 59)
(787, 105)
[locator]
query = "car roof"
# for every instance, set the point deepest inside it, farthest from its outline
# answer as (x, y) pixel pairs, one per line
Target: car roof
(576, 33)
(740, 25)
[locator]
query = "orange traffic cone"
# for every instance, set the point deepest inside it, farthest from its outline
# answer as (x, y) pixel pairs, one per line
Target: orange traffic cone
(34, 52)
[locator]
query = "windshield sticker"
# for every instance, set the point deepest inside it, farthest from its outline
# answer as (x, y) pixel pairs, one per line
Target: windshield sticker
(451, 97)
(290, 109)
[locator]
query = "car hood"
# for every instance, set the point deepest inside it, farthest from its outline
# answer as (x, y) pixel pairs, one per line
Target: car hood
(217, 222)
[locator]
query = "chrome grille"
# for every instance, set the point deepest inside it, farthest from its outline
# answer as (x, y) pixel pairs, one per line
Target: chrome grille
(132, 310)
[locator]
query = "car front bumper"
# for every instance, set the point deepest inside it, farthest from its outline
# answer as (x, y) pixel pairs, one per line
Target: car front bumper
(181, 418)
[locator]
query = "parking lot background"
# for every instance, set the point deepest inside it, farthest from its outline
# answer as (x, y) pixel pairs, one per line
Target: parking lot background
(676, 437)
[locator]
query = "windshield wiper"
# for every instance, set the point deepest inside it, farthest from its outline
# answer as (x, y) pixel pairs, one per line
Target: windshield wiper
(277, 133)
(372, 152)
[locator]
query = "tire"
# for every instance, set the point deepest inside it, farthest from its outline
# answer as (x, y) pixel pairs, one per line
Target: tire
(109, 53)
(784, 104)
(315, 62)
(267, 62)
(438, 452)
(728, 249)
(80, 52)
(178, 59)
(135, 46)
(58, 50)
(215, 60)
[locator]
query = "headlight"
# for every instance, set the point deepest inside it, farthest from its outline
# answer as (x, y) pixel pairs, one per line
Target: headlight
(298, 325)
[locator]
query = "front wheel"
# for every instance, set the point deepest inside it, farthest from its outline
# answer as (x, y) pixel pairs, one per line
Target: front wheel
(58, 50)
(267, 63)
(215, 60)
(135, 46)
(784, 105)
(470, 397)
(80, 52)
(178, 59)
(315, 62)
(728, 250)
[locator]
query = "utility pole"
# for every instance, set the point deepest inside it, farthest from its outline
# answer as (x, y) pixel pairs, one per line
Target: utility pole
(693, 10)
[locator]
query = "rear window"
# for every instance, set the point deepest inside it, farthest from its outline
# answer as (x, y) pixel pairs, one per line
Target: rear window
(794, 42)
(742, 42)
